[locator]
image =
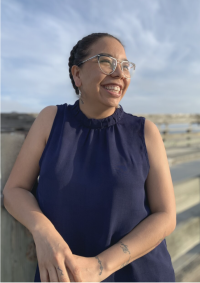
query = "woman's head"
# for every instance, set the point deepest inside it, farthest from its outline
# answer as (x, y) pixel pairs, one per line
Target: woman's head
(88, 77)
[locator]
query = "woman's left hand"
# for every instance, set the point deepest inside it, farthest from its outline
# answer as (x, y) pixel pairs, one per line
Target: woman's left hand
(89, 268)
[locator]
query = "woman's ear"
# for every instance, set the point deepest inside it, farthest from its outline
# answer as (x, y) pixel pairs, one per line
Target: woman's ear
(76, 75)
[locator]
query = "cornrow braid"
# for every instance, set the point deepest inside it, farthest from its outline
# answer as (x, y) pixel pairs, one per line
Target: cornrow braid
(81, 50)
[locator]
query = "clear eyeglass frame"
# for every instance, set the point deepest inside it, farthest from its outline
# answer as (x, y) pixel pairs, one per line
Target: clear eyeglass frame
(117, 61)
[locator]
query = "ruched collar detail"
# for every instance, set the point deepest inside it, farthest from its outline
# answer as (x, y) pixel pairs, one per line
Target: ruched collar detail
(97, 123)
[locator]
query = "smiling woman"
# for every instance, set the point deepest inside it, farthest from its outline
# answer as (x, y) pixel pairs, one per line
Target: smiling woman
(98, 64)
(97, 174)
(104, 201)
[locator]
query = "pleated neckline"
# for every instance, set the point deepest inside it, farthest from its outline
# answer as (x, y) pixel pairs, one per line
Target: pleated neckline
(97, 123)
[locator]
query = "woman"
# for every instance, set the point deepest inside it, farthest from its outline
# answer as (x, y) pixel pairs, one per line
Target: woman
(105, 199)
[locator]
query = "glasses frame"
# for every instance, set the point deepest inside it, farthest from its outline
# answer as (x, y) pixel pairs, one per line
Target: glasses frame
(117, 61)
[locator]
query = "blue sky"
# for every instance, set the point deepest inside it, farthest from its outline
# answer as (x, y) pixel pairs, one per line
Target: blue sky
(162, 37)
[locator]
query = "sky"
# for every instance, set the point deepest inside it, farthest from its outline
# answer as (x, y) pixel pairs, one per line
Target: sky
(162, 37)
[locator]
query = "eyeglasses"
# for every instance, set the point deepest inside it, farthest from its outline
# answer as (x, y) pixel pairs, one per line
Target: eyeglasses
(108, 65)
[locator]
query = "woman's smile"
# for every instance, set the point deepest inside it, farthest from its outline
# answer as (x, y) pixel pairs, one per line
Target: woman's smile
(113, 91)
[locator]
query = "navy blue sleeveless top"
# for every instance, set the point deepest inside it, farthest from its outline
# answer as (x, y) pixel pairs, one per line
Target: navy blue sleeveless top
(92, 188)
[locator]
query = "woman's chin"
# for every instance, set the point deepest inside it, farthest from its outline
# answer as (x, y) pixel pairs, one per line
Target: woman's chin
(111, 101)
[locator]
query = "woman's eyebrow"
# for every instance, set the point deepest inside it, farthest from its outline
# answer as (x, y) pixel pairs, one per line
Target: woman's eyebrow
(107, 54)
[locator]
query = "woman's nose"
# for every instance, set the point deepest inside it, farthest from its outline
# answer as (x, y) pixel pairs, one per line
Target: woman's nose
(118, 71)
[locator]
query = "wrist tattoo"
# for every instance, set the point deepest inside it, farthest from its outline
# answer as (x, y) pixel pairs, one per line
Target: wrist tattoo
(124, 264)
(101, 267)
(125, 250)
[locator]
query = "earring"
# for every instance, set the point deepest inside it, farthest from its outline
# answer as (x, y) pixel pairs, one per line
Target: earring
(79, 92)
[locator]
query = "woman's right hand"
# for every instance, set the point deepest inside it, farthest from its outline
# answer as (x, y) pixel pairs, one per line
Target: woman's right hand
(52, 251)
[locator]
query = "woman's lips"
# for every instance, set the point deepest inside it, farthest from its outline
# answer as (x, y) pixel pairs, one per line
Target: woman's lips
(113, 94)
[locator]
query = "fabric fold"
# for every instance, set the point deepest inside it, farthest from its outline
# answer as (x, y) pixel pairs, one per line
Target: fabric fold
(96, 123)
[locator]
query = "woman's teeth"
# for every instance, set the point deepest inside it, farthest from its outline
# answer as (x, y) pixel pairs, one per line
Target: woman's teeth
(113, 88)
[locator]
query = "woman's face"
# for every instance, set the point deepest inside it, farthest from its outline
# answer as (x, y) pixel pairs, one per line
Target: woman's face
(93, 80)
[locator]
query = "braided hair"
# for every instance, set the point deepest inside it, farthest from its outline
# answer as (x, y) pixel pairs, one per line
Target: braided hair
(81, 50)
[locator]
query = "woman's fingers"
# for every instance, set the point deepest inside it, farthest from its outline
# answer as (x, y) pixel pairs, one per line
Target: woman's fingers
(71, 278)
(62, 273)
(57, 273)
(53, 277)
(44, 276)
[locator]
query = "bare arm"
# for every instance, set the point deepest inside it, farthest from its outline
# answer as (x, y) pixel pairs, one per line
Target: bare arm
(51, 248)
(136, 243)
(18, 200)
(23, 206)
(160, 223)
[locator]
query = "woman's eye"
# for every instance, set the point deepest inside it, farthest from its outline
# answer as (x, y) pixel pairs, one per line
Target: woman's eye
(106, 61)
(126, 67)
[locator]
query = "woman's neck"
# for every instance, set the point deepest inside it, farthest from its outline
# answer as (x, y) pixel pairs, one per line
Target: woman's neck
(92, 112)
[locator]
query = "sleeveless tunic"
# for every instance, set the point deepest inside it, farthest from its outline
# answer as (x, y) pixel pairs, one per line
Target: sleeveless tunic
(92, 188)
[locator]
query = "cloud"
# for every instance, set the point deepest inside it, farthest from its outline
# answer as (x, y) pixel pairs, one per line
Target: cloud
(160, 37)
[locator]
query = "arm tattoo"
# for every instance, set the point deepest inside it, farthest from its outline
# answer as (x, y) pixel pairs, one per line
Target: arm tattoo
(101, 267)
(125, 250)
(124, 264)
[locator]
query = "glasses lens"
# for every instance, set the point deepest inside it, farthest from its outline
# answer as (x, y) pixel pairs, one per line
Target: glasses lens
(128, 69)
(107, 64)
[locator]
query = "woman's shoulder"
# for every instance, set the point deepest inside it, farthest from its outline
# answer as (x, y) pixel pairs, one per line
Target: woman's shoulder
(151, 131)
(48, 115)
